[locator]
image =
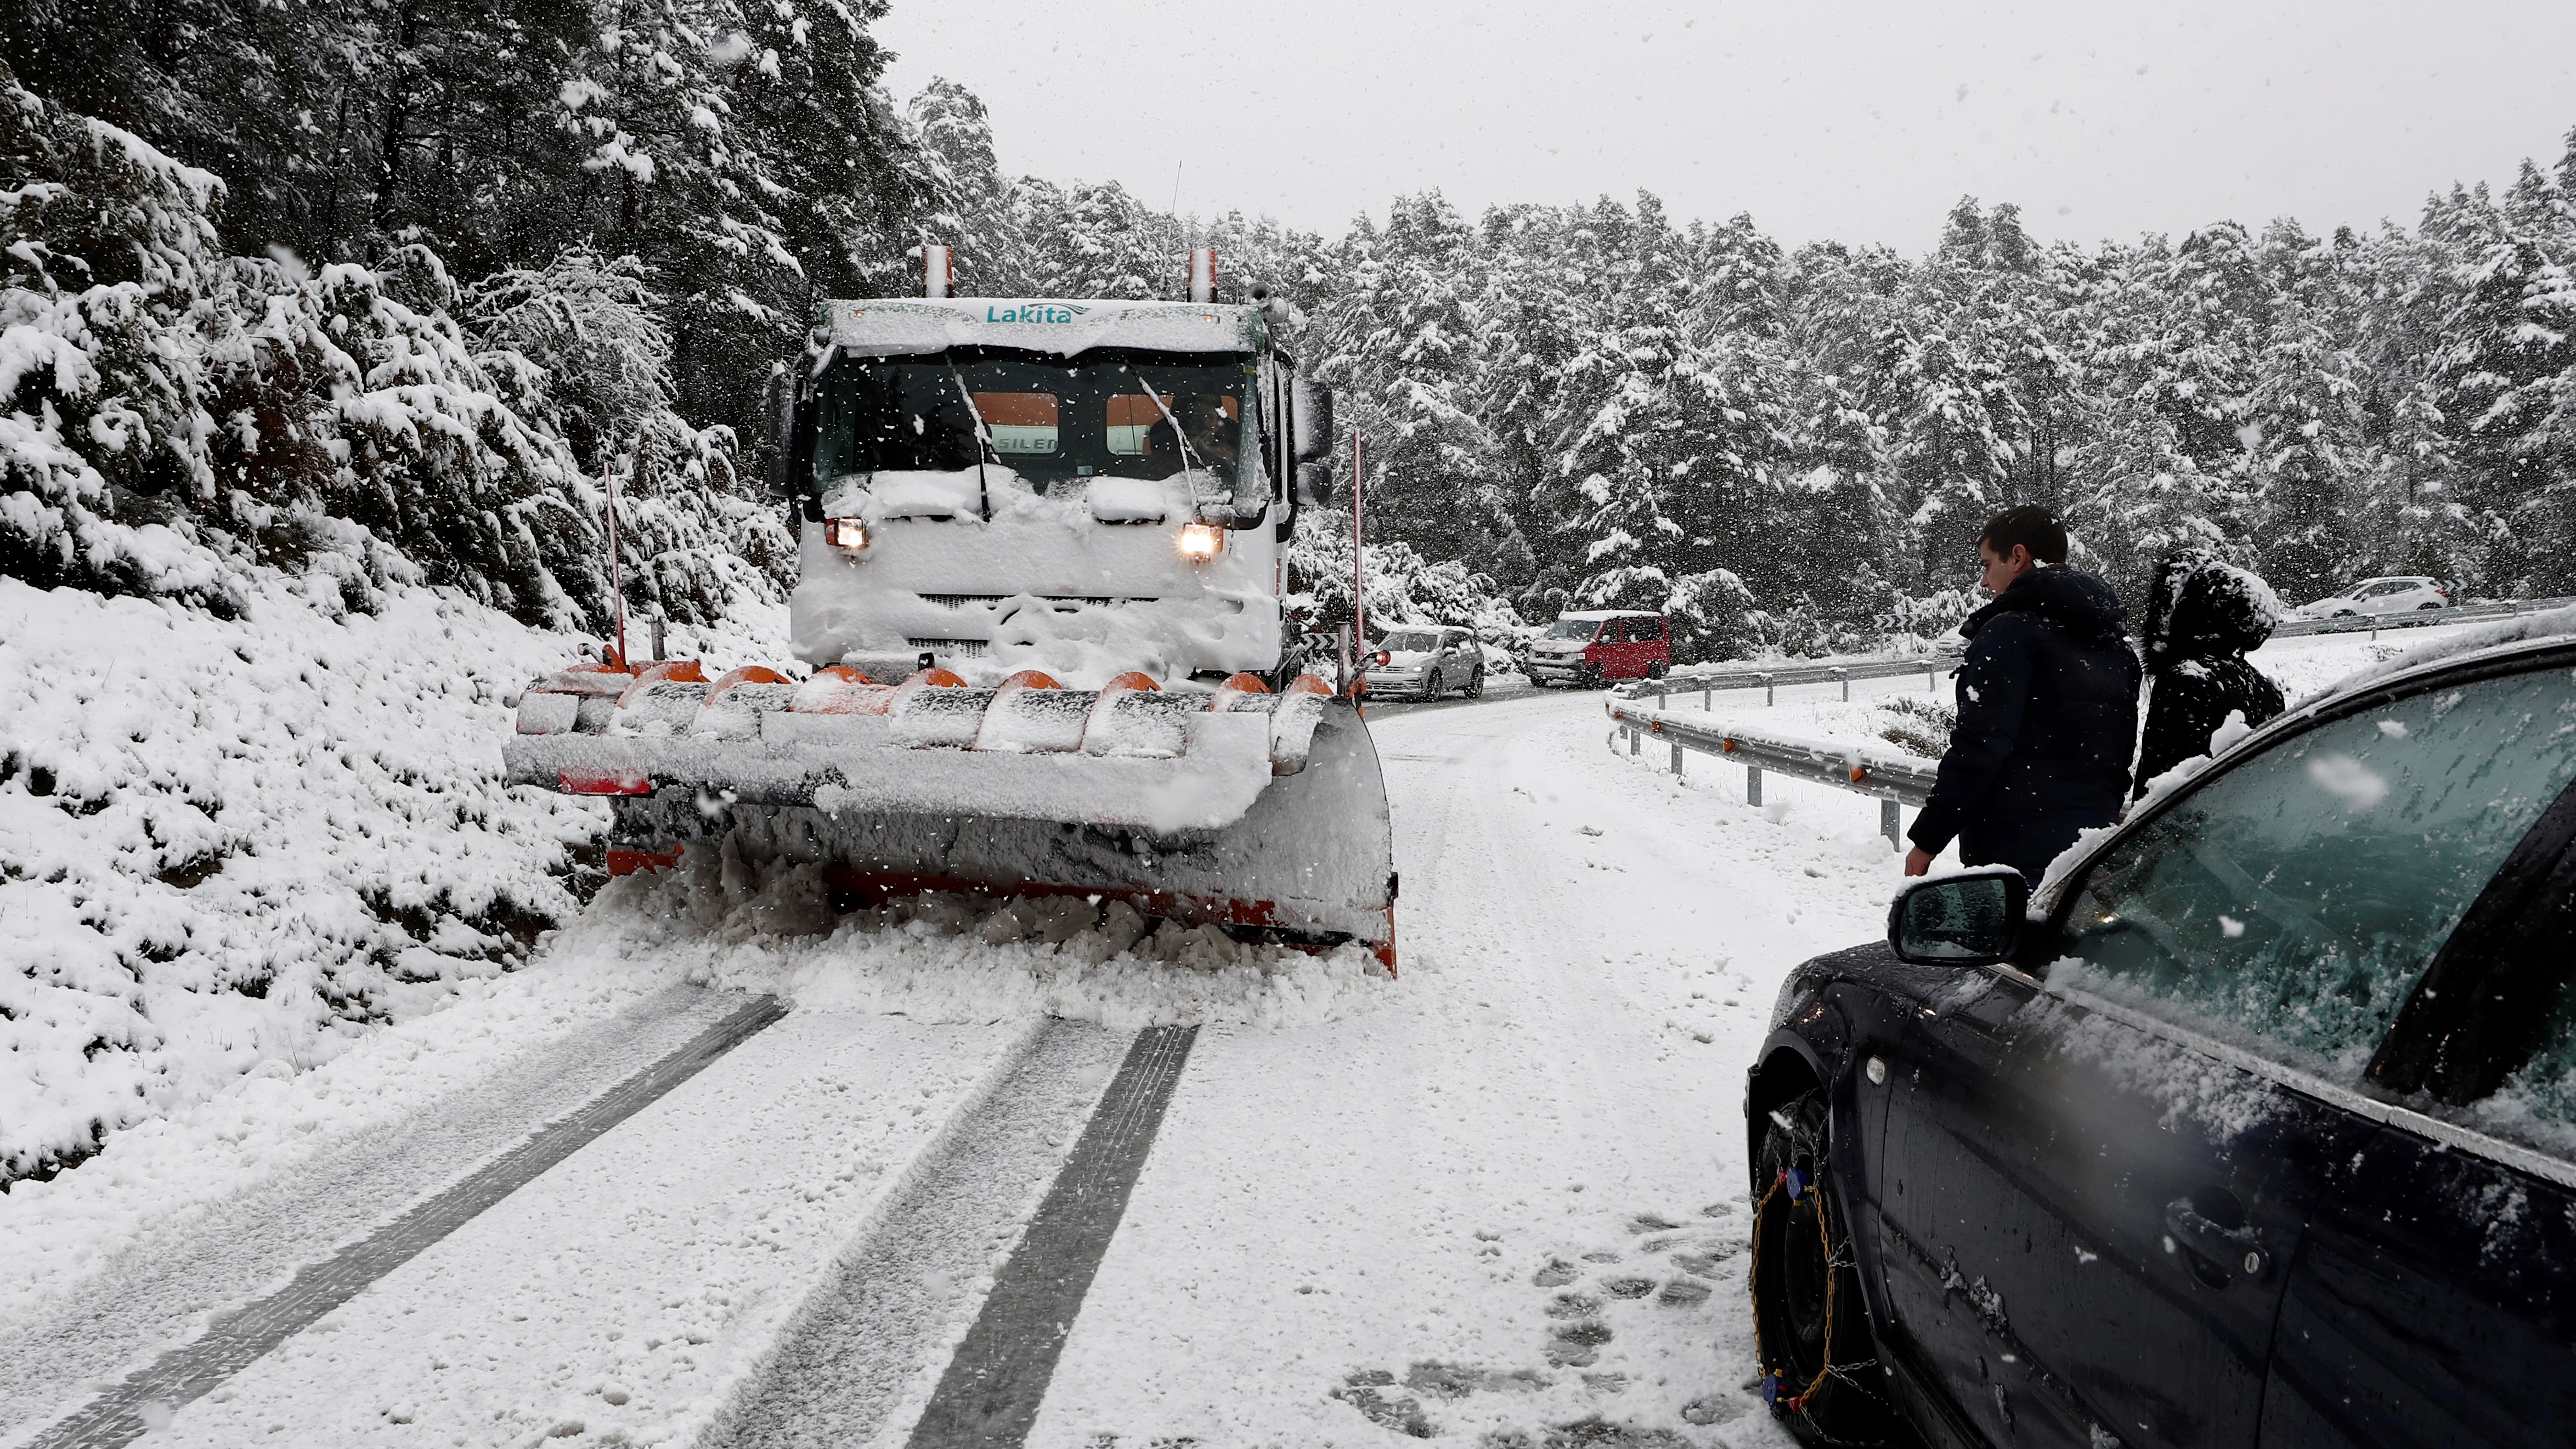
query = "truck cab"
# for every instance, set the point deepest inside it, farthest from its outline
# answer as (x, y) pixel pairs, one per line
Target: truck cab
(987, 486)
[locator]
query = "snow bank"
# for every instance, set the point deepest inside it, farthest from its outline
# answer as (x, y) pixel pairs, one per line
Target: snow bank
(947, 958)
(230, 847)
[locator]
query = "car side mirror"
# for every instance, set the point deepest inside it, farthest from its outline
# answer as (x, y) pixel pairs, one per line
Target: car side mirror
(1969, 919)
(1312, 409)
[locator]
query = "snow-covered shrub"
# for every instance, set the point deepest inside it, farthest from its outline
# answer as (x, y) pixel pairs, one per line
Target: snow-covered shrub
(1403, 586)
(351, 392)
(104, 249)
(171, 416)
(587, 333)
(225, 844)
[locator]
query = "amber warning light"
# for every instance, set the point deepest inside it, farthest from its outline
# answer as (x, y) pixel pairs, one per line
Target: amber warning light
(850, 535)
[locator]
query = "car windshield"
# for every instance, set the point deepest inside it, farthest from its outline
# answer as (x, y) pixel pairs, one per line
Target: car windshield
(1573, 629)
(1410, 643)
(1051, 419)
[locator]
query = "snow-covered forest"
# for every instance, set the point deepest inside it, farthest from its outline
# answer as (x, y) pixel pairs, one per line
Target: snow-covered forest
(1793, 448)
(372, 292)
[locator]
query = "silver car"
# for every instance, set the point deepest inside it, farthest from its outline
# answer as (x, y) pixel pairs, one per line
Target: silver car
(2396, 594)
(1422, 662)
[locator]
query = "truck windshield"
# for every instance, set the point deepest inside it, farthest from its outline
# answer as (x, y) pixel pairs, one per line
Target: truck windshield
(1051, 419)
(1573, 629)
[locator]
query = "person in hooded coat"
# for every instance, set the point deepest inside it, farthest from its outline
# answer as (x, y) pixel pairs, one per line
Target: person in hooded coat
(2048, 708)
(2203, 617)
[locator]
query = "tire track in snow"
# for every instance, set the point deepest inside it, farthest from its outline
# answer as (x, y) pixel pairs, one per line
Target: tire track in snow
(860, 1346)
(989, 1396)
(119, 1415)
(230, 1251)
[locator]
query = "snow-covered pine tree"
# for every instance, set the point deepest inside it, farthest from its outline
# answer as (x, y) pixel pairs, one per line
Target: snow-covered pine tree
(1409, 351)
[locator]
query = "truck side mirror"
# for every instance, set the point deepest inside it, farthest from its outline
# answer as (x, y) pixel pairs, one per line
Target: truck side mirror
(1312, 408)
(1314, 484)
(1970, 919)
(780, 404)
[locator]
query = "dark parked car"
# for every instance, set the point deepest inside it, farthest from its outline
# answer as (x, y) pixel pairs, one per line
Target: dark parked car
(2255, 1127)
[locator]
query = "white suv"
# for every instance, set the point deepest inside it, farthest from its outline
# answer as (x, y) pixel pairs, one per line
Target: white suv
(2391, 595)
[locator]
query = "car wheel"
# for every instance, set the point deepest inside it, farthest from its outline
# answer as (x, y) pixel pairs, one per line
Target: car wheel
(1476, 684)
(1655, 670)
(1591, 677)
(1810, 1328)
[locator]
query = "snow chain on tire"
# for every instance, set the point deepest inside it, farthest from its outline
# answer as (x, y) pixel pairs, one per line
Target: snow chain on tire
(1843, 1401)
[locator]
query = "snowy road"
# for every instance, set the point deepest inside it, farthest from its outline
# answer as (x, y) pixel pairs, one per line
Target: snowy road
(1500, 1194)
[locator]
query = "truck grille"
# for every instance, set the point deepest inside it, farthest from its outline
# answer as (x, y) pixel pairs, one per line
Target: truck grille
(962, 648)
(966, 601)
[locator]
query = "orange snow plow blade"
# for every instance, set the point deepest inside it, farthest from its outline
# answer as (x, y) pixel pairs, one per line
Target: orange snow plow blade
(1261, 813)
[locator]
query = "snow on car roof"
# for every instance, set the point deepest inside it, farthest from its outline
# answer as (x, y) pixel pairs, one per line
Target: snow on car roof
(907, 326)
(1596, 615)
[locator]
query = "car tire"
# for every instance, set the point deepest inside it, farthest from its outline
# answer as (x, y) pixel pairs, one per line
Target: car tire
(1655, 670)
(1811, 1329)
(1591, 677)
(1476, 685)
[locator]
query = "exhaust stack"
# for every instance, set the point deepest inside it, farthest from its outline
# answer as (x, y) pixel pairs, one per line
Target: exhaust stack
(937, 277)
(1203, 274)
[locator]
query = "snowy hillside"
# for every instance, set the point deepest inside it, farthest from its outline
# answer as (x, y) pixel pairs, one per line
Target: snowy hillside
(231, 846)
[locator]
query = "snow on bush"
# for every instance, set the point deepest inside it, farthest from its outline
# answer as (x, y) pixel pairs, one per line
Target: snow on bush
(1403, 586)
(226, 844)
(103, 242)
(591, 329)
(172, 417)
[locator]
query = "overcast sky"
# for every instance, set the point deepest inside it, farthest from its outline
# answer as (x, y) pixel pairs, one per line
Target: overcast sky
(1859, 122)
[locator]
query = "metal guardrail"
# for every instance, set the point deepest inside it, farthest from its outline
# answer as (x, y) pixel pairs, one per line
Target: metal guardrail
(1946, 660)
(1708, 681)
(1869, 772)
(2417, 619)
(1858, 769)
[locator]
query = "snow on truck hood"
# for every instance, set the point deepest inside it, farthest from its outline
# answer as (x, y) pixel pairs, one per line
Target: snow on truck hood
(893, 327)
(1082, 583)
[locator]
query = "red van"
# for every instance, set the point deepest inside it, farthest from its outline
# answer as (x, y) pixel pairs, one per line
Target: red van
(1600, 645)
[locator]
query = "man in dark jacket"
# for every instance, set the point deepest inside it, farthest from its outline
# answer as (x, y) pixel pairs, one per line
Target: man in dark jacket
(2203, 617)
(2048, 708)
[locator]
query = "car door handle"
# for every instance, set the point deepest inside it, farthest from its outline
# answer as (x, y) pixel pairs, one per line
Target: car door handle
(2232, 1250)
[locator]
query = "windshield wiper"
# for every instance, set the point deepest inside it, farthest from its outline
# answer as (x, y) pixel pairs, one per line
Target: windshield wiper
(983, 439)
(1178, 436)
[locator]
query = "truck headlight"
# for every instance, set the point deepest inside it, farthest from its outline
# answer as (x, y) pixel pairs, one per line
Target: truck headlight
(1201, 541)
(850, 535)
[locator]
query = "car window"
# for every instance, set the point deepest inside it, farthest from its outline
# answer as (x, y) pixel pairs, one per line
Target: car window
(1648, 631)
(2538, 1103)
(1409, 644)
(2296, 898)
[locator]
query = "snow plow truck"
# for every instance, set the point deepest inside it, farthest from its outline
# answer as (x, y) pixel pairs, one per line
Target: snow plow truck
(1042, 557)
